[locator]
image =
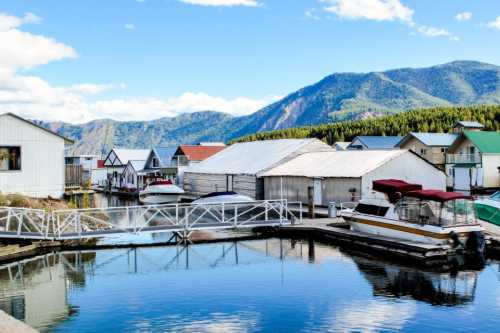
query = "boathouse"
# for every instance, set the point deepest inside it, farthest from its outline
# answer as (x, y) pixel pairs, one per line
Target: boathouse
(473, 161)
(116, 161)
(31, 158)
(134, 176)
(367, 142)
(187, 155)
(237, 167)
(339, 176)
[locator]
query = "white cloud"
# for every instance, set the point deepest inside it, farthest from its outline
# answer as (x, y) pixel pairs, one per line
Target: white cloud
(130, 26)
(20, 49)
(495, 24)
(433, 31)
(226, 3)
(92, 89)
(378, 10)
(465, 16)
(311, 14)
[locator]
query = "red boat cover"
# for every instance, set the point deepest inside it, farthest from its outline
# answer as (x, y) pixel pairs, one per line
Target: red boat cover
(394, 188)
(161, 182)
(436, 195)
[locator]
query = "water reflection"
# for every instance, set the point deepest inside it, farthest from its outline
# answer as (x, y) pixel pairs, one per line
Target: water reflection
(244, 286)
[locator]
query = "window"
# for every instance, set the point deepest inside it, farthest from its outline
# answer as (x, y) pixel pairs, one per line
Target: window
(10, 158)
(444, 150)
(156, 162)
(371, 209)
(472, 150)
(423, 151)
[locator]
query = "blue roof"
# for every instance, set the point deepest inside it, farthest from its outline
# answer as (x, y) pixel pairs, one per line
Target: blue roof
(164, 154)
(378, 142)
(435, 139)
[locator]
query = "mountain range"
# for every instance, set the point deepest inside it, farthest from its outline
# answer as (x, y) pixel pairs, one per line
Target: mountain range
(340, 96)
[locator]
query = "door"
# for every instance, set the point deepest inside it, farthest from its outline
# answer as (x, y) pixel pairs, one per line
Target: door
(317, 191)
(462, 179)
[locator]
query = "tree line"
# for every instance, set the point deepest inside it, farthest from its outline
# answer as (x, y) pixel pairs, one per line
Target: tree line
(437, 120)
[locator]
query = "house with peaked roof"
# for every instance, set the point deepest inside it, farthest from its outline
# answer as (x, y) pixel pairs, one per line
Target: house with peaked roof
(364, 142)
(187, 155)
(133, 177)
(430, 146)
(31, 158)
(342, 176)
(473, 161)
(116, 161)
(159, 163)
(463, 125)
(237, 167)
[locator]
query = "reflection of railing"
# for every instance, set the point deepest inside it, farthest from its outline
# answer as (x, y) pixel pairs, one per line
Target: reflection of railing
(176, 218)
(462, 158)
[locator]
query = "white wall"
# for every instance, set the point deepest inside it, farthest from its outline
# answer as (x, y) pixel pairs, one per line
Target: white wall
(407, 167)
(491, 162)
(42, 160)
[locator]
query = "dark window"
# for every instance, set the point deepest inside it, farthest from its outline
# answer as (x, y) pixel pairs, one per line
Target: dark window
(10, 158)
(371, 209)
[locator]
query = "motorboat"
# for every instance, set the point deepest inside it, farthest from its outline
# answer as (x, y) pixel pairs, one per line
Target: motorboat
(160, 192)
(406, 211)
(488, 213)
(223, 197)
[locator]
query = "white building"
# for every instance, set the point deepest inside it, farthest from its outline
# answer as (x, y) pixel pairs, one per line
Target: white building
(236, 168)
(133, 176)
(117, 160)
(346, 175)
(31, 158)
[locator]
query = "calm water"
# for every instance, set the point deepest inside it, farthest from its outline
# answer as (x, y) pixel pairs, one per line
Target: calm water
(249, 286)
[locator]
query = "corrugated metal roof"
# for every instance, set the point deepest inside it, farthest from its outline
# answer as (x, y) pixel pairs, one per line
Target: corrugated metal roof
(138, 165)
(377, 142)
(126, 155)
(435, 139)
(346, 164)
(253, 157)
(486, 142)
(198, 153)
(469, 124)
(164, 154)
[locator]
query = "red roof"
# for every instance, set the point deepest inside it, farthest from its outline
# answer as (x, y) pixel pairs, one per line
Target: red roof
(436, 195)
(198, 153)
(100, 164)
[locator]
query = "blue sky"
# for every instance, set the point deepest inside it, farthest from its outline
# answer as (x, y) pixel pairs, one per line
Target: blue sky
(129, 59)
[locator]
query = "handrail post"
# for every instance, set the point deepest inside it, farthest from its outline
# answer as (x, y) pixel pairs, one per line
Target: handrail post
(235, 215)
(223, 214)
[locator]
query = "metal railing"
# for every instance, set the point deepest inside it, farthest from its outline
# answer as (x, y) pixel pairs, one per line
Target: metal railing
(181, 219)
(463, 158)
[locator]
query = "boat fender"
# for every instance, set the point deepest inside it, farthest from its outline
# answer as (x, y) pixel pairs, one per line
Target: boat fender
(476, 242)
(455, 240)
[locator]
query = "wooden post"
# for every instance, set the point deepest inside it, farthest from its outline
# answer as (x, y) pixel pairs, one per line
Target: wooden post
(310, 201)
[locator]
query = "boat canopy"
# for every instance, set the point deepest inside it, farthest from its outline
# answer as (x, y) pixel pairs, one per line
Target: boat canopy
(161, 182)
(436, 195)
(394, 188)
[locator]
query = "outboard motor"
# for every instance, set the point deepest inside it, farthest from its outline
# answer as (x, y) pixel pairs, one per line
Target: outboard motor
(476, 242)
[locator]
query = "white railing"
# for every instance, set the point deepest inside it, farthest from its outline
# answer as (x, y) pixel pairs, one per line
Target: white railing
(462, 158)
(24, 223)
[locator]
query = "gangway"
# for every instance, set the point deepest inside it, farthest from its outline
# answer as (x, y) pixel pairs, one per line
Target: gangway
(181, 219)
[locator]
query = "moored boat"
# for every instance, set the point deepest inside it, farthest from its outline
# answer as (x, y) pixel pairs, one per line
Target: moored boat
(223, 197)
(406, 211)
(160, 192)
(488, 213)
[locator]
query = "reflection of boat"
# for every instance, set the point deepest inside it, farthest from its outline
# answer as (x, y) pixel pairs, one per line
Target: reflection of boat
(405, 211)
(488, 212)
(160, 192)
(223, 197)
(437, 288)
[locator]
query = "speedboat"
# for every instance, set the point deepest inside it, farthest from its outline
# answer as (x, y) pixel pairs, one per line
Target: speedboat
(405, 211)
(223, 197)
(488, 212)
(160, 192)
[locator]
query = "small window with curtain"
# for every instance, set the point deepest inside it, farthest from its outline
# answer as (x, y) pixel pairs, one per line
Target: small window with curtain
(10, 158)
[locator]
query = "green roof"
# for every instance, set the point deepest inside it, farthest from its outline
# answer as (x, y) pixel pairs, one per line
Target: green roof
(486, 142)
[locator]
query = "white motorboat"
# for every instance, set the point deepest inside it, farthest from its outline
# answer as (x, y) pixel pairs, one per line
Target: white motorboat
(488, 212)
(160, 192)
(223, 197)
(407, 212)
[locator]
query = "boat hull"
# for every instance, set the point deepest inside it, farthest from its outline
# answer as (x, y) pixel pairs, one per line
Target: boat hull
(158, 199)
(411, 232)
(490, 228)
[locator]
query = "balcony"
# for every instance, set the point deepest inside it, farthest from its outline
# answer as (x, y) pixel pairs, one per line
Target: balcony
(463, 159)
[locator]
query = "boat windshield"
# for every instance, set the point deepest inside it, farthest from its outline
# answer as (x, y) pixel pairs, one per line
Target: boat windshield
(445, 214)
(495, 196)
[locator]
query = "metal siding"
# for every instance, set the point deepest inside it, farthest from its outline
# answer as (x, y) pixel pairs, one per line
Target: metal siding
(42, 160)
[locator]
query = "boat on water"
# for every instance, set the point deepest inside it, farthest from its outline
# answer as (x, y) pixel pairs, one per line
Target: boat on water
(160, 192)
(488, 213)
(406, 211)
(223, 197)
